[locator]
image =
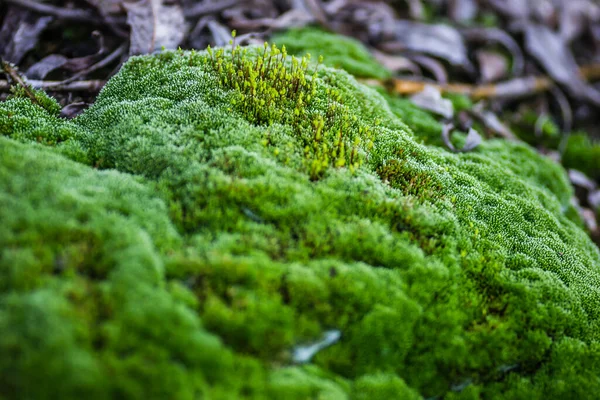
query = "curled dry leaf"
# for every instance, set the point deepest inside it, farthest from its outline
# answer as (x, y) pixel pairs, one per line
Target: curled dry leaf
(396, 63)
(435, 67)
(472, 141)
(431, 99)
(437, 40)
(492, 122)
(496, 35)
(20, 33)
(154, 25)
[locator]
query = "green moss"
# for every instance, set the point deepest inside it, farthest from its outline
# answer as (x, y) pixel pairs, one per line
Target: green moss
(583, 154)
(203, 246)
(342, 52)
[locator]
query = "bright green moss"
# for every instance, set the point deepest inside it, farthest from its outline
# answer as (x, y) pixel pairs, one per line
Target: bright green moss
(451, 275)
(342, 52)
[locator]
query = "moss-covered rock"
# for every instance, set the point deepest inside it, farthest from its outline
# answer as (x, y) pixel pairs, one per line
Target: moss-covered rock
(224, 207)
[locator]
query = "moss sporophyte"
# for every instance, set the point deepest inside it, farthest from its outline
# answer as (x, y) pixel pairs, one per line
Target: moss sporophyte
(215, 212)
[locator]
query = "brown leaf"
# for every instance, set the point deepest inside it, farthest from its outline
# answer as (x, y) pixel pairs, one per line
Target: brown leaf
(396, 63)
(576, 16)
(472, 141)
(437, 40)
(552, 52)
(20, 33)
(492, 65)
(491, 121)
(154, 25)
(430, 99)
(52, 62)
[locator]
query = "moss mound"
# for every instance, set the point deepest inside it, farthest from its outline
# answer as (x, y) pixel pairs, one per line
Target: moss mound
(213, 211)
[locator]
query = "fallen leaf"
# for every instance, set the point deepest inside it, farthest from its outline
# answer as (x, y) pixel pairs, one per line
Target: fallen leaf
(20, 33)
(435, 67)
(487, 36)
(594, 200)
(430, 99)
(154, 25)
(220, 33)
(580, 179)
(472, 141)
(491, 122)
(552, 52)
(575, 16)
(493, 66)
(396, 63)
(462, 10)
(52, 62)
(437, 40)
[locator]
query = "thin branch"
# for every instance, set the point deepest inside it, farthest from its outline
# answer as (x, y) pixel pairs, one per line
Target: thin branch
(206, 8)
(100, 64)
(11, 71)
(59, 12)
(514, 88)
(91, 86)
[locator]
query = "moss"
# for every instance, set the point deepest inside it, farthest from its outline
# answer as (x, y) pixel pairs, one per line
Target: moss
(209, 245)
(583, 154)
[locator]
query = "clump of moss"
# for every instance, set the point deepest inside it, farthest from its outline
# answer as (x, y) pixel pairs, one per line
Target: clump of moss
(270, 84)
(450, 275)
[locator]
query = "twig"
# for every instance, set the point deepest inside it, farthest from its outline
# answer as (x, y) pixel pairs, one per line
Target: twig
(9, 70)
(56, 86)
(207, 8)
(62, 13)
(514, 88)
(100, 64)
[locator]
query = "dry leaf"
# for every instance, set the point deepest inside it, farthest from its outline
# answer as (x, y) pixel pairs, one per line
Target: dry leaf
(154, 25)
(20, 33)
(473, 139)
(552, 52)
(437, 40)
(430, 99)
(492, 65)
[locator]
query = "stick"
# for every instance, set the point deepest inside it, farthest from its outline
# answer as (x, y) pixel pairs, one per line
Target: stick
(58, 86)
(514, 88)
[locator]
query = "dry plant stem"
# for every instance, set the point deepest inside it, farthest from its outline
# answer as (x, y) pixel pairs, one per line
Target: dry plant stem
(206, 8)
(62, 13)
(91, 86)
(9, 70)
(514, 88)
(100, 64)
